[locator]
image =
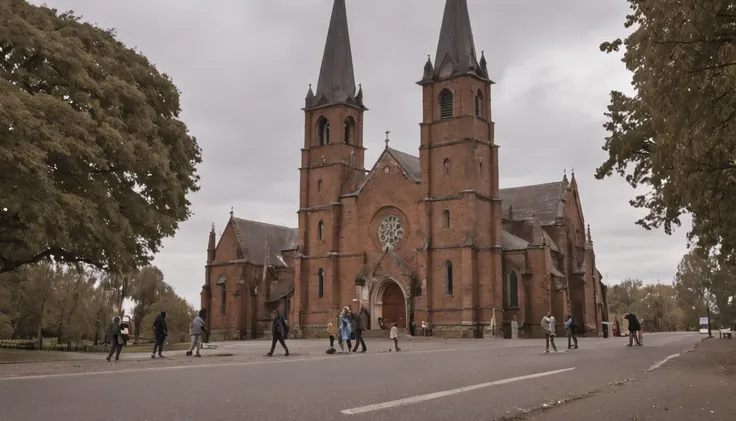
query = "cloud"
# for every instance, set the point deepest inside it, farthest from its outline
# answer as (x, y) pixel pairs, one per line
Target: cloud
(244, 67)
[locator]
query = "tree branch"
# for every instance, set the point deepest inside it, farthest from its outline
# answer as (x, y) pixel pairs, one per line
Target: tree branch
(10, 265)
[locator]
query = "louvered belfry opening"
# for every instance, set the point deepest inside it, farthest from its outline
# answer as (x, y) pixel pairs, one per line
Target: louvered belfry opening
(446, 105)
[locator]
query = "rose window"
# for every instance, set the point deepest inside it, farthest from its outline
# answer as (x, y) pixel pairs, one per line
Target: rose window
(391, 230)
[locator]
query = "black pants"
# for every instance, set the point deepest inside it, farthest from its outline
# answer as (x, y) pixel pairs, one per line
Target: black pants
(571, 336)
(332, 341)
(634, 336)
(550, 339)
(359, 340)
(115, 348)
(278, 338)
(159, 345)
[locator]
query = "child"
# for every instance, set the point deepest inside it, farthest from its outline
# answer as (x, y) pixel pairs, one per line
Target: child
(332, 331)
(394, 334)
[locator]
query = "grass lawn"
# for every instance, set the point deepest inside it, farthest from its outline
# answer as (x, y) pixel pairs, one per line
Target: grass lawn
(8, 355)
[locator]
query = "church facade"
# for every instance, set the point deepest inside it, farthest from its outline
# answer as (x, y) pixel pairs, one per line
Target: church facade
(429, 238)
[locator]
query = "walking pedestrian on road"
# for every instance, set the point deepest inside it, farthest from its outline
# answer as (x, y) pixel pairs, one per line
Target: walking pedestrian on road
(345, 328)
(394, 335)
(362, 325)
(570, 326)
(279, 330)
(160, 332)
(548, 324)
(115, 336)
(634, 328)
(196, 330)
(331, 332)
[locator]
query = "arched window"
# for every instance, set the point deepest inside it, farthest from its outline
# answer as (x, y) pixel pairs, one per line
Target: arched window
(446, 104)
(449, 281)
(221, 283)
(446, 219)
(446, 166)
(319, 186)
(320, 283)
(479, 104)
(324, 131)
(349, 130)
(513, 290)
(320, 229)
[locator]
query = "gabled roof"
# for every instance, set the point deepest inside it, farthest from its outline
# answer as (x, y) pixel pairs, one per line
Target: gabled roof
(279, 238)
(408, 163)
(545, 201)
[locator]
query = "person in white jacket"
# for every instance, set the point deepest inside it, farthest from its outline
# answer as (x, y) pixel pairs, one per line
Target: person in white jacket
(196, 330)
(394, 335)
(548, 324)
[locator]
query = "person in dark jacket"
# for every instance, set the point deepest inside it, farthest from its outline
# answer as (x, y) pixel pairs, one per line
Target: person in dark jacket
(160, 332)
(362, 324)
(634, 328)
(570, 327)
(278, 330)
(115, 336)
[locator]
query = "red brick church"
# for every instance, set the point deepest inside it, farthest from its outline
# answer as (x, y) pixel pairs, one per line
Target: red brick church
(431, 235)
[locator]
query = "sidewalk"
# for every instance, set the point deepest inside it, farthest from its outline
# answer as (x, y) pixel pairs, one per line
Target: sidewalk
(700, 385)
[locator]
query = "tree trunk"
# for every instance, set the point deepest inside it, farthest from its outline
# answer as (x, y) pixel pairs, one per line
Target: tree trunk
(40, 325)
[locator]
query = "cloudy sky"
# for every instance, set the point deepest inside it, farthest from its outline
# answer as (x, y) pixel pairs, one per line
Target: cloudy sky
(244, 66)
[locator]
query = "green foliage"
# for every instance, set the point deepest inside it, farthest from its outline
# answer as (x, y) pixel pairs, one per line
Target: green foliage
(702, 283)
(677, 135)
(74, 304)
(654, 304)
(96, 165)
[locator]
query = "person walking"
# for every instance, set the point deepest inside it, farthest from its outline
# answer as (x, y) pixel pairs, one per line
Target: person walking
(394, 335)
(279, 330)
(115, 336)
(570, 326)
(548, 324)
(331, 332)
(160, 332)
(197, 329)
(346, 328)
(362, 325)
(634, 328)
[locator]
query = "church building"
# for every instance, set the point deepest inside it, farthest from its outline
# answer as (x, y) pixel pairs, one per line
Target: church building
(427, 237)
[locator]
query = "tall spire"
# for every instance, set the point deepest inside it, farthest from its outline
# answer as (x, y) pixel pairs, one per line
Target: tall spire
(336, 84)
(456, 48)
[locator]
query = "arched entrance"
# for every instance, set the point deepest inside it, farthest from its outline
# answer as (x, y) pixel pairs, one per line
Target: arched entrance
(388, 301)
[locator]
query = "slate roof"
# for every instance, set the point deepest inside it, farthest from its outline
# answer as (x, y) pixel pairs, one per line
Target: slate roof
(456, 47)
(336, 83)
(511, 242)
(279, 238)
(542, 200)
(280, 290)
(409, 163)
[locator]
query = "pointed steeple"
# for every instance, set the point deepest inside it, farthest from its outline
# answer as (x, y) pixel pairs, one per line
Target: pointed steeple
(211, 245)
(336, 84)
(456, 47)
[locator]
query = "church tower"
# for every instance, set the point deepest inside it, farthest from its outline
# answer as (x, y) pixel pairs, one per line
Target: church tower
(332, 165)
(459, 163)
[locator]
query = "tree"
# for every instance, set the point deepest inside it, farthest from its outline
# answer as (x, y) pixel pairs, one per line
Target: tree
(622, 297)
(179, 315)
(693, 283)
(677, 134)
(148, 288)
(96, 164)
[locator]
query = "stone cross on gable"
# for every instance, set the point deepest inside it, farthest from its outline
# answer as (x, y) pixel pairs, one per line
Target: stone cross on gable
(387, 139)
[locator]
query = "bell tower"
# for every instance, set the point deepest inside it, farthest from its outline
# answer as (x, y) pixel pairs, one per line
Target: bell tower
(332, 165)
(459, 163)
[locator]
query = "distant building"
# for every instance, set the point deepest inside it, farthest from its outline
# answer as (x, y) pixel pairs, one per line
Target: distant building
(430, 235)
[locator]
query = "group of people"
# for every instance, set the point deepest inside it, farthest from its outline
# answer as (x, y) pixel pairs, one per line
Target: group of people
(548, 325)
(197, 329)
(349, 323)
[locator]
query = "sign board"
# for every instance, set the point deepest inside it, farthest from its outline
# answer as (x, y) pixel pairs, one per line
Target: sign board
(703, 321)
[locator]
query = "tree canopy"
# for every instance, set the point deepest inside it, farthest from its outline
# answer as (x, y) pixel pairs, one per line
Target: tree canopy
(677, 135)
(702, 281)
(96, 165)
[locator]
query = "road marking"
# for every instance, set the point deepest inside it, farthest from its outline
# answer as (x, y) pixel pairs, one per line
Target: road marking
(437, 395)
(659, 364)
(277, 360)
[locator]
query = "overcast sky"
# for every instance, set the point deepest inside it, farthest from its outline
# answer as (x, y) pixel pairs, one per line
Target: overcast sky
(244, 66)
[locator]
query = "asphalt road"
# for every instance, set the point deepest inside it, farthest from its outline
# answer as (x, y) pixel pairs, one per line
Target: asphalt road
(469, 380)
